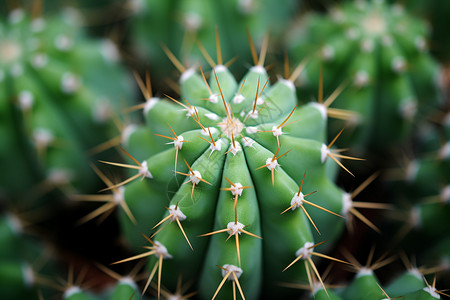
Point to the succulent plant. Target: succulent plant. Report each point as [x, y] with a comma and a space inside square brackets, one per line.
[435, 12]
[365, 285]
[379, 53]
[56, 99]
[181, 24]
[230, 188]
[420, 186]
[242, 158]
[24, 263]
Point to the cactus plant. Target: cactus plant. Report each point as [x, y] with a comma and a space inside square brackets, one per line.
[24, 258]
[56, 101]
[411, 284]
[231, 186]
[379, 52]
[180, 24]
[241, 159]
[435, 12]
[421, 187]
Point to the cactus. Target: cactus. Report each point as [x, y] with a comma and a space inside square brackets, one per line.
[180, 24]
[230, 187]
[435, 12]
[379, 52]
[411, 284]
[423, 180]
[241, 160]
[56, 102]
[124, 288]
[23, 258]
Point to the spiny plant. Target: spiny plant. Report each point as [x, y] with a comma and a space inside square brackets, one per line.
[56, 101]
[124, 287]
[245, 164]
[411, 284]
[435, 12]
[379, 53]
[421, 185]
[180, 24]
[25, 264]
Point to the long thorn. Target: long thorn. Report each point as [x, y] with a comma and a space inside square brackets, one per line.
[221, 284]
[173, 59]
[363, 185]
[218, 50]
[252, 48]
[184, 233]
[293, 262]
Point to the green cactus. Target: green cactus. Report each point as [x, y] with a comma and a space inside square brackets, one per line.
[123, 289]
[409, 285]
[180, 24]
[21, 258]
[240, 161]
[366, 284]
[435, 12]
[379, 52]
[56, 102]
[420, 186]
[230, 187]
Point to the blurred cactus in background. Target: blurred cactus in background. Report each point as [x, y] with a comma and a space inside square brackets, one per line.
[379, 53]
[60, 94]
[435, 13]
[180, 24]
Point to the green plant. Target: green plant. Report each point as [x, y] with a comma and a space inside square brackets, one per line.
[242, 157]
[230, 188]
[435, 13]
[411, 284]
[181, 25]
[379, 53]
[420, 185]
[56, 102]
[24, 265]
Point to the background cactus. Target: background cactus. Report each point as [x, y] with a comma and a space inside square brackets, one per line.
[57, 101]
[379, 52]
[420, 185]
[181, 24]
[434, 12]
[20, 257]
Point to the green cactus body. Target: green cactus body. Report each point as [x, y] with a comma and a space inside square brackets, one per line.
[56, 102]
[235, 179]
[125, 288]
[17, 280]
[76, 293]
[436, 13]
[321, 294]
[406, 283]
[425, 183]
[17, 243]
[10, 236]
[426, 294]
[392, 80]
[364, 286]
